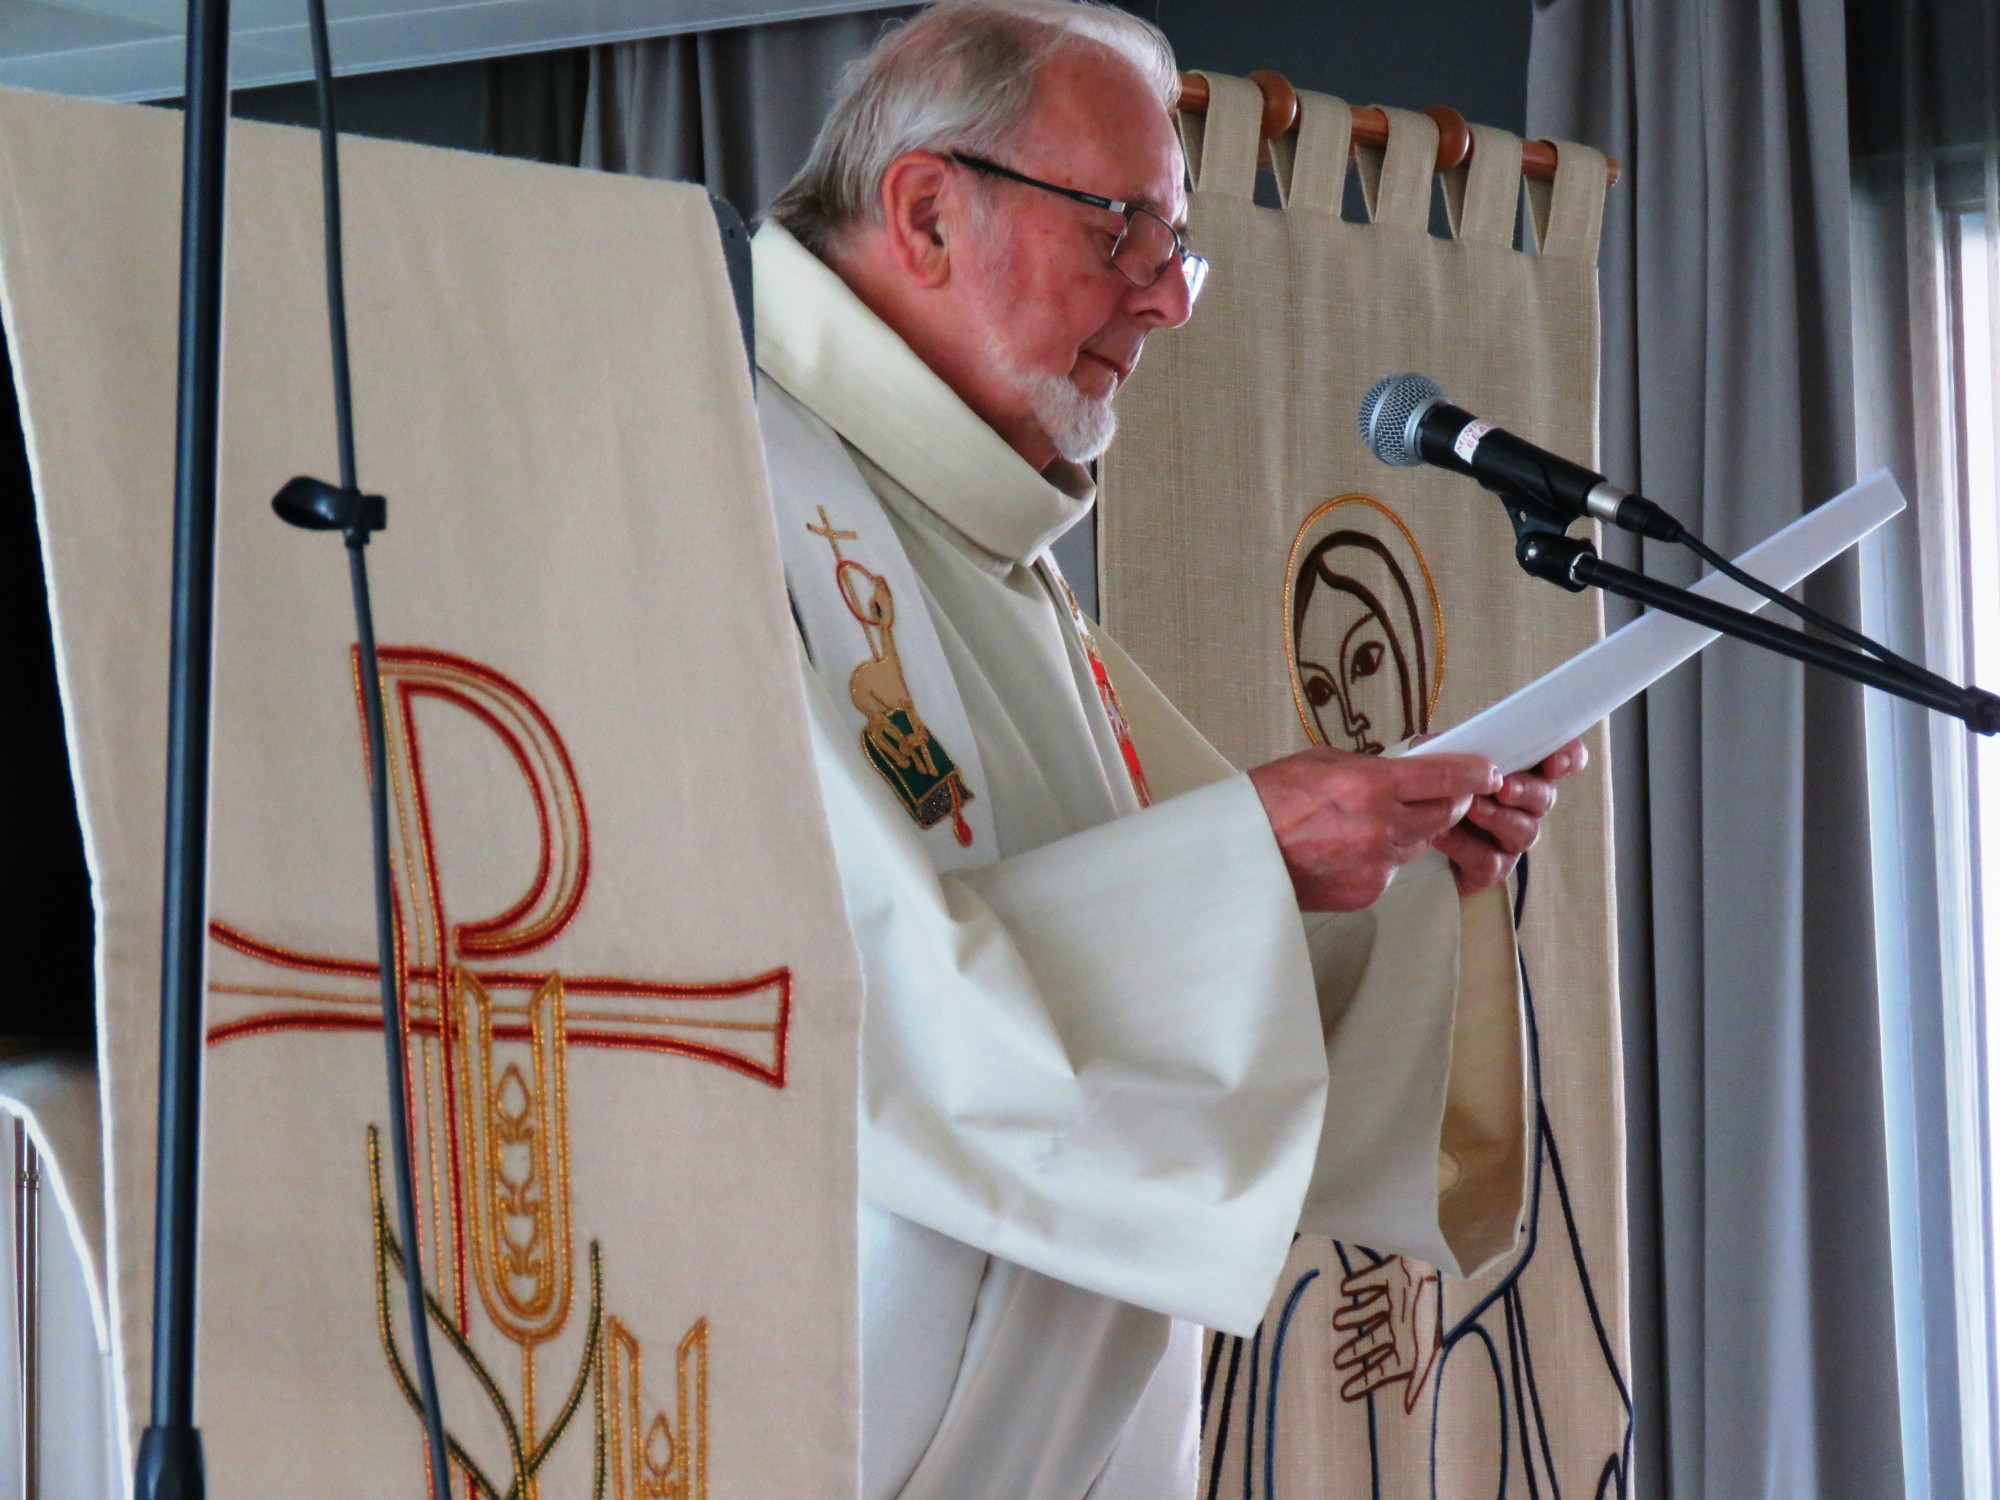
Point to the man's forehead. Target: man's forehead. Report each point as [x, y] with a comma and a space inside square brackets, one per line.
[1096, 121]
[1173, 206]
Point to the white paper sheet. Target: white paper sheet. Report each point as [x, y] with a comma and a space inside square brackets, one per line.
[1518, 731]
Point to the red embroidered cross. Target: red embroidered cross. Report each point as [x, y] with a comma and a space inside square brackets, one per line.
[471, 1008]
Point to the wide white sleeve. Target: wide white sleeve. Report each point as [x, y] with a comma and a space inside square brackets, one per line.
[1101, 1059]
[1424, 1151]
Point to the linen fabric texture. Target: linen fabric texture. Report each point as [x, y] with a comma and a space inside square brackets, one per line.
[1284, 588]
[632, 1001]
[1100, 1038]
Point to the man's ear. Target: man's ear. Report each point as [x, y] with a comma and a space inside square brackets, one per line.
[916, 200]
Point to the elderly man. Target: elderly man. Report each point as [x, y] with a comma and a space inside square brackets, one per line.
[1101, 1039]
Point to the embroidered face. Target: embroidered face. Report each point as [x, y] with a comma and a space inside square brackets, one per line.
[1365, 633]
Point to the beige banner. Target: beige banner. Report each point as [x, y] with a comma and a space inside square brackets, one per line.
[632, 1003]
[1285, 588]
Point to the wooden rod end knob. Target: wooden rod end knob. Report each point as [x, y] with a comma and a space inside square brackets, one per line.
[1454, 136]
[1281, 102]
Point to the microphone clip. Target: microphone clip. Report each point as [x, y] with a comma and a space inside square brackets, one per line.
[315, 505]
[1556, 559]
[1542, 543]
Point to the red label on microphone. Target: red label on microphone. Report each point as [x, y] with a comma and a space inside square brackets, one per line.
[1467, 442]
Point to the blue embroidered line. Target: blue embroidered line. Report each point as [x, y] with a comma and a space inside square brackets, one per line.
[1222, 1426]
[1250, 1417]
[1277, 1374]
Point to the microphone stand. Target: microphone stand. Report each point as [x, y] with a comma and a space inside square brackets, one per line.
[170, 1464]
[1545, 550]
[170, 1459]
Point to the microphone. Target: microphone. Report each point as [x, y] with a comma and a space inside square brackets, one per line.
[1405, 421]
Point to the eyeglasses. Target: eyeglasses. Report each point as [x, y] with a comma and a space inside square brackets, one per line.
[1145, 247]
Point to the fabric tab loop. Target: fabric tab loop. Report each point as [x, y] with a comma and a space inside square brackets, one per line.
[1396, 181]
[1566, 216]
[1222, 144]
[1310, 160]
[1482, 198]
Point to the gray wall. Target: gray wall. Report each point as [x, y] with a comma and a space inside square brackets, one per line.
[1470, 54]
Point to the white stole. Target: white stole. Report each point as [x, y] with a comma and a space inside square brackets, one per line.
[870, 636]
[868, 630]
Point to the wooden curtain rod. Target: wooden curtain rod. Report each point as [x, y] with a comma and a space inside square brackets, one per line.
[1371, 125]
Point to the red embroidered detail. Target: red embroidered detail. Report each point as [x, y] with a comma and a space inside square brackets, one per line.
[430, 951]
[1119, 727]
[546, 767]
[532, 921]
[1107, 694]
[573, 1035]
[493, 979]
[494, 1044]
[960, 829]
[289, 958]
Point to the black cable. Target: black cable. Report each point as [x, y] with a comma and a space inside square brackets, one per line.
[336, 278]
[1806, 612]
[356, 536]
[392, 1022]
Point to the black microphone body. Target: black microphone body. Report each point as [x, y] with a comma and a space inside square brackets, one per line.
[1405, 420]
[1452, 438]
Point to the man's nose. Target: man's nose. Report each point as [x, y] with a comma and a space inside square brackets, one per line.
[1166, 303]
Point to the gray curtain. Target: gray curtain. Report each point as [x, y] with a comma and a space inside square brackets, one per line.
[527, 106]
[1763, 1318]
[734, 109]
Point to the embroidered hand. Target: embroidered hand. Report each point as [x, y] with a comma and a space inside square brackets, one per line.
[1497, 830]
[1345, 823]
[1389, 1330]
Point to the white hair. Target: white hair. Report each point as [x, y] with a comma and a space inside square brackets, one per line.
[958, 77]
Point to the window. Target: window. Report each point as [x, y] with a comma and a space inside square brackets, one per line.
[1927, 325]
[1974, 343]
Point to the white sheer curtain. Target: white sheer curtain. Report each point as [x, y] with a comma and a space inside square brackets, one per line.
[1927, 285]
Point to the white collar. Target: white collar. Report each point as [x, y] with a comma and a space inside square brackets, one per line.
[822, 344]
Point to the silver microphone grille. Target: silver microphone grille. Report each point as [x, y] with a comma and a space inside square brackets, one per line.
[1389, 415]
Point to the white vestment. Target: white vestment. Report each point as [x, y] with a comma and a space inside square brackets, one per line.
[1108, 1070]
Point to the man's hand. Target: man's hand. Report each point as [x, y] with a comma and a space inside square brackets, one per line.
[1346, 823]
[1497, 830]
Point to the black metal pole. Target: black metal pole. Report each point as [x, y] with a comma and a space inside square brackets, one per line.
[1979, 709]
[170, 1461]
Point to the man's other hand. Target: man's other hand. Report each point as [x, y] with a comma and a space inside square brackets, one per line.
[1498, 829]
[1345, 823]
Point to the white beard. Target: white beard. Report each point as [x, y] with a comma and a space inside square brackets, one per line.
[1079, 425]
